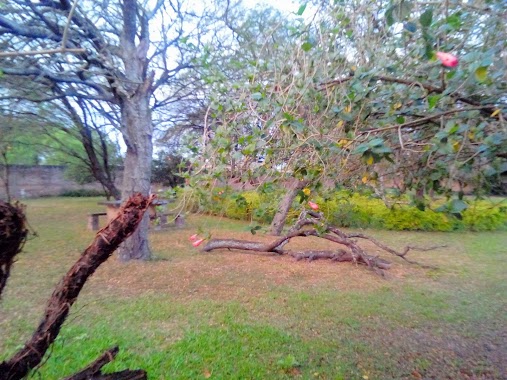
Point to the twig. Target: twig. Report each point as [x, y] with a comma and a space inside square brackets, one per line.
[67, 25]
[416, 123]
[5, 54]
[94, 370]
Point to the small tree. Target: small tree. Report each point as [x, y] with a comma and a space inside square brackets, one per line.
[359, 95]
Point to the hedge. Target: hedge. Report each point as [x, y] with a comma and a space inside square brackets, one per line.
[355, 210]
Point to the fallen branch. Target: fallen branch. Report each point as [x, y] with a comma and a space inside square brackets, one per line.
[352, 252]
[402, 254]
[66, 292]
[94, 370]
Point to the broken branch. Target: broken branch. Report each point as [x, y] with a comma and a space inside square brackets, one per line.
[66, 292]
[352, 252]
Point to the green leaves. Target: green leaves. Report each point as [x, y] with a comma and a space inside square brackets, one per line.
[373, 151]
[454, 207]
[307, 46]
[426, 18]
[410, 27]
[433, 100]
[454, 20]
[481, 74]
[301, 9]
[257, 96]
[398, 12]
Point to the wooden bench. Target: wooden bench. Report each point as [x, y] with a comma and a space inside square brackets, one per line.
[179, 220]
[93, 220]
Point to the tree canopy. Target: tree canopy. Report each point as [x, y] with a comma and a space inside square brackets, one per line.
[356, 93]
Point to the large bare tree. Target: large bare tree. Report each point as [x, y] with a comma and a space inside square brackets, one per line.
[132, 51]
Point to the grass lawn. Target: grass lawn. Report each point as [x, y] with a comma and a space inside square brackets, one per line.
[231, 315]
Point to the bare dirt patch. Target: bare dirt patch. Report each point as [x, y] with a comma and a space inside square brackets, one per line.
[228, 274]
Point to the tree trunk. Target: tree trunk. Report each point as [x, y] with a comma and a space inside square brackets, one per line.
[6, 177]
[136, 118]
[133, 96]
[284, 207]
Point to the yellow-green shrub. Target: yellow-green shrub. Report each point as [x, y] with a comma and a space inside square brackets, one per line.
[481, 216]
[355, 210]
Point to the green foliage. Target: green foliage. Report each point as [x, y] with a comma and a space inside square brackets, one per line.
[482, 216]
[80, 193]
[357, 99]
[79, 172]
[167, 170]
[357, 210]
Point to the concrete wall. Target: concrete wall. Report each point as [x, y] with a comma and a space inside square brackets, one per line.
[26, 181]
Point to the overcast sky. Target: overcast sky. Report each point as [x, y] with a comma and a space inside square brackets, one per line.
[285, 5]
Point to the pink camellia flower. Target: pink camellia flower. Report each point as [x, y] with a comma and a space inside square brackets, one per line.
[197, 243]
[447, 59]
[313, 205]
[193, 237]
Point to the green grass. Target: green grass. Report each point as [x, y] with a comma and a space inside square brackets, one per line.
[227, 315]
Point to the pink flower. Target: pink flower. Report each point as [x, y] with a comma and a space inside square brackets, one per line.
[447, 59]
[313, 205]
[193, 237]
[197, 243]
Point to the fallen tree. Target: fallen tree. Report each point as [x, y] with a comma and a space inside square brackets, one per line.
[66, 292]
[351, 251]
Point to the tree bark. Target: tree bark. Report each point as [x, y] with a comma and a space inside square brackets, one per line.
[133, 96]
[284, 207]
[136, 117]
[6, 176]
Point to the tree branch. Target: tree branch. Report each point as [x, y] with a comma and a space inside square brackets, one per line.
[407, 82]
[94, 370]
[352, 253]
[60, 78]
[66, 292]
[424, 120]
[5, 54]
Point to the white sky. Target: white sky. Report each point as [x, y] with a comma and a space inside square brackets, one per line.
[284, 5]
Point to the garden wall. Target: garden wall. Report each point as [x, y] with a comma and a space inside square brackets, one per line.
[27, 181]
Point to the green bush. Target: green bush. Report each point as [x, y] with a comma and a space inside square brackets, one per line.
[413, 219]
[354, 210]
[481, 216]
[83, 193]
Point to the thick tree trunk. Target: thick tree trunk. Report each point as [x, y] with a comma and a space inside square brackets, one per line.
[133, 95]
[284, 207]
[136, 117]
